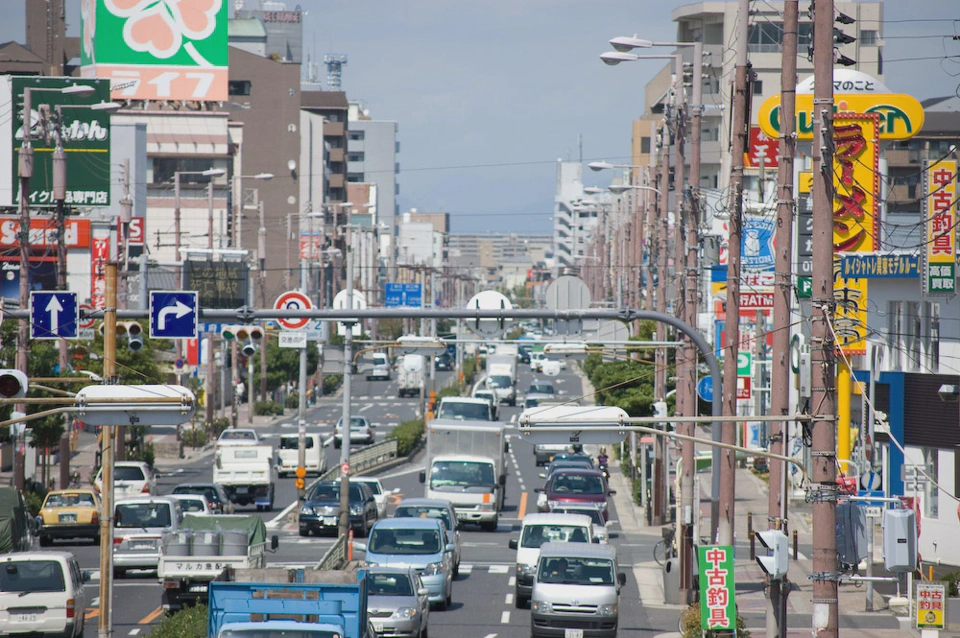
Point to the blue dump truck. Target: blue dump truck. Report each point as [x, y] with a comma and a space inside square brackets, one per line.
[279, 603]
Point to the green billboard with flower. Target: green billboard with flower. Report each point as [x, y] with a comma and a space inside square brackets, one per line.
[156, 49]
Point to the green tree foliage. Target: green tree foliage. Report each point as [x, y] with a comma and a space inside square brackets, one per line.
[189, 623]
[283, 364]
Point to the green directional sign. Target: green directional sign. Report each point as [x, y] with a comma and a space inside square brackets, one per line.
[804, 287]
[744, 364]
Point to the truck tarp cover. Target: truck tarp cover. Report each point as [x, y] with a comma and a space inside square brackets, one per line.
[13, 521]
[253, 525]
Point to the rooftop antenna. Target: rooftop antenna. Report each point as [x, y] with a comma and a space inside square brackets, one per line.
[334, 62]
[580, 144]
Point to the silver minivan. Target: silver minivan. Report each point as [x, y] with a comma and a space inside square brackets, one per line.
[138, 528]
[41, 593]
[576, 592]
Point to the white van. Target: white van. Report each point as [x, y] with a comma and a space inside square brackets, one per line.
[42, 593]
[536, 530]
[288, 455]
[381, 367]
[130, 478]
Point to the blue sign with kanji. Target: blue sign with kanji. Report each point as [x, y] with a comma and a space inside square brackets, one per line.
[756, 245]
[53, 315]
[173, 314]
[403, 295]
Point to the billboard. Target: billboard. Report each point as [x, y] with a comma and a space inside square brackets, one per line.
[940, 214]
[855, 220]
[86, 140]
[156, 49]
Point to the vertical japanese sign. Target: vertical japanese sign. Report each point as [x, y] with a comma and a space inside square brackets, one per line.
[940, 213]
[99, 256]
[931, 605]
[718, 609]
[156, 49]
[855, 220]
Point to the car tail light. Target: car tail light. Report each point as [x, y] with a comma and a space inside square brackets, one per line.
[95, 519]
[171, 584]
[117, 541]
[369, 432]
[70, 608]
[146, 489]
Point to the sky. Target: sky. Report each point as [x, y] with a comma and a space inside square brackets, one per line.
[489, 94]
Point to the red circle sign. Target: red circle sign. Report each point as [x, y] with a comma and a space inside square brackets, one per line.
[293, 300]
[89, 321]
[345, 468]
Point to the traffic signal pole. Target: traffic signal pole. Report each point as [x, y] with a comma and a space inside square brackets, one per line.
[345, 425]
[105, 619]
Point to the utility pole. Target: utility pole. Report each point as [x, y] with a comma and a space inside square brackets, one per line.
[126, 214]
[660, 369]
[684, 400]
[739, 128]
[347, 373]
[24, 172]
[691, 308]
[211, 369]
[782, 297]
[59, 196]
[105, 619]
[823, 475]
[262, 250]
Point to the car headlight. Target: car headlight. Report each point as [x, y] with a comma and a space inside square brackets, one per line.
[404, 612]
[525, 569]
[607, 610]
[541, 606]
[306, 510]
[356, 509]
[552, 504]
[433, 569]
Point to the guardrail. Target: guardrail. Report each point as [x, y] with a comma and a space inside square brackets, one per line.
[365, 458]
[336, 556]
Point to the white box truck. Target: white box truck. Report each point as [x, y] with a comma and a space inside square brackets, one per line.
[466, 466]
[410, 375]
[246, 474]
[502, 377]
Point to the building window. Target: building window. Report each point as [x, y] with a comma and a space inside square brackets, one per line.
[645, 144]
[765, 37]
[357, 135]
[757, 87]
[238, 87]
[710, 134]
[355, 156]
[868, 37]
[162, 169]
[933, 339]
[914, 325]
[895, 334]
[931, 495]
[355, 177]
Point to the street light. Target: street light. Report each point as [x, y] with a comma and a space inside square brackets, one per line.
[413, 344]
[622, 188]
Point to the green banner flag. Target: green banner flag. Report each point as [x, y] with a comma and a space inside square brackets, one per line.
[718, 609]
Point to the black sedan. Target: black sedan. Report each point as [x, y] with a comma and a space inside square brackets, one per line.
[444, 361]
[320, 510]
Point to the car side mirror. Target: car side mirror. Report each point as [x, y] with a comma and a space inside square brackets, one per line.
[423, 477]
[423, 591]
[274, 542]
[512, 543]
[85, 576]
[395, 490]
[612, 493]
[621, 579]
[38, 521]
[502, 480]
[596, 539]
[538, 490]
[449, 548]
[360, 546]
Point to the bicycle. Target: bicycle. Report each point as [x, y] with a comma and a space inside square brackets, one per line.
[666, 547]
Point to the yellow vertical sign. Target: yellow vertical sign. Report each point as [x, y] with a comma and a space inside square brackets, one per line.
[940, 213]
[855, 220]
[931, 604]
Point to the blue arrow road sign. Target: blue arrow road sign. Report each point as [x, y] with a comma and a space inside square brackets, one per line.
[53, 315]
[705, 389]
[173, 315]
[403, 295]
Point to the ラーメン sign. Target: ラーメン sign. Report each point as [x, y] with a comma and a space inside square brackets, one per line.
[900, 115]
[156, 49]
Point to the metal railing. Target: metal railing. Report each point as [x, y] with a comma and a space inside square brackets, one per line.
[336, 556]
[364, 459]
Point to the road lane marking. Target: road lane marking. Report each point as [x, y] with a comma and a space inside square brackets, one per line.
[92, 613]
[512, 582]
[490, 636]
[505, 618]
[508, 600]
[466, 569]
[366, 407]
[522, 510]
[153, 615]
[499, 569]
[134, 631]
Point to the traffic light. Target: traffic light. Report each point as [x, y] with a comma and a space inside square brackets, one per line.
[249, 337]
[133, 332]
[13, 384]
[775, 563]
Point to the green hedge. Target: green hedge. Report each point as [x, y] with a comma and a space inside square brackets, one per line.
[267, 408]
[469, 369]
[407, 434]
[189, 623]
[449, 391]
[330, 383]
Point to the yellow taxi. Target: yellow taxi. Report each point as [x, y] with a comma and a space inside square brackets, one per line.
[73, 513]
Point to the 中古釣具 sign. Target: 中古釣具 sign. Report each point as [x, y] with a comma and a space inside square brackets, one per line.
[718, 609]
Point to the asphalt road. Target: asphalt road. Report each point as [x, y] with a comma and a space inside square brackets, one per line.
[483, 593]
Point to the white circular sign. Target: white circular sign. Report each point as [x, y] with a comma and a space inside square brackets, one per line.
[293, 300]
[488, 300]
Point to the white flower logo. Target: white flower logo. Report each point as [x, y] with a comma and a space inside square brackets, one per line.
[158, 27]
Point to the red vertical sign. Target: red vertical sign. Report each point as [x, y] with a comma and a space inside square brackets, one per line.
[100, 255]
[193, 352]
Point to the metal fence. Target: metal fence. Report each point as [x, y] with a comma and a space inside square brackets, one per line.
[336, 556]
[364, 459]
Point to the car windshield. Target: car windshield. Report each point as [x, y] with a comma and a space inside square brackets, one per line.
[32, 576]
[424, 511]
[405, 541]
[293, 443]
[143, 515]
[560, 465]
[355, 422]
[499, 381]
[127, 473]
[461, 474]
[577, 484]
[70, 500]
[191, 505]
[238, 435]
[575, 571]
[389, 585]
[542, 388]
[536, 535]
[464, 411]
[592, 512]
[331, 492]
[373, 485]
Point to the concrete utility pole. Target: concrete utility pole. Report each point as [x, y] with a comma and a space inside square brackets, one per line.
[683, 398]
[105, 619]
[347, 365]
[823, 473]
[659, 505]
[691, 309]
[24, 172]
[262, 279]
[740, 129]
[782, 297]
[211, 369]
[60, 196]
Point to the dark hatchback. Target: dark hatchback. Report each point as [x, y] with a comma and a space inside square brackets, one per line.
[570, 486]
[216, 495]
[320, 510]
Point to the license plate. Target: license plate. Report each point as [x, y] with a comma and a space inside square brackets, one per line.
[68, 518]
[572, 633]
[378, 628]
[242, 490]
[198, 588]
[329, 520]
[142, 545]
[25, 618]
